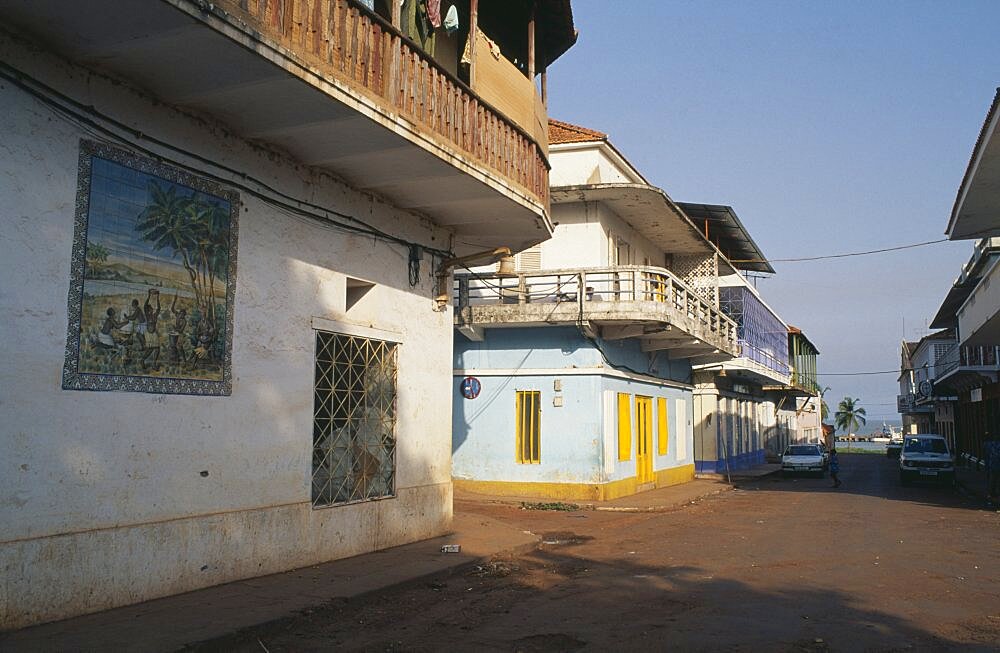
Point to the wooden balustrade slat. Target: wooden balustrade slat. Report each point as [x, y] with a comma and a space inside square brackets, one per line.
[316, 28]
[366, 52]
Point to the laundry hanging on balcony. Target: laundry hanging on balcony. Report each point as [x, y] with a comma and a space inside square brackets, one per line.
[416, 24]
[490, 43]
[451, 20]
[434, 12]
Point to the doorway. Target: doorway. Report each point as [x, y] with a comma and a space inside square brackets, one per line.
[644, 439]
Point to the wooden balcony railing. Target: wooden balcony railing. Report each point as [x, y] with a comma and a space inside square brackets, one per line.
[625, 287]
[340, 40]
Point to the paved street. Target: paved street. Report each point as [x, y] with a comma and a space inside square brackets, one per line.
[779, 564]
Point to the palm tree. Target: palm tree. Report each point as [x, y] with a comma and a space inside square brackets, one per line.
[824, 410]
[197, 230]
[850, 415]
[97, 256]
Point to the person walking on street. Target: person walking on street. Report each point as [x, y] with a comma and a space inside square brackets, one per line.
[992, 471]
[834, 467]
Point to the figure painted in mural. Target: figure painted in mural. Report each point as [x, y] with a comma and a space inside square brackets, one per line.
[105, 338]
[206, 338]
[178, 335]
[835, 467]
[138, 319]
[152, 316]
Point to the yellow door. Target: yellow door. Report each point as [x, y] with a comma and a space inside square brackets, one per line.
[644, 439]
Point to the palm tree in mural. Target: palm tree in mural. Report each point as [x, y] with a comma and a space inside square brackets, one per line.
[194, 229]
[97, 255]
[850, 415]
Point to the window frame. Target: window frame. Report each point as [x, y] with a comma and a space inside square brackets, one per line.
[353, 432]
[533, 446]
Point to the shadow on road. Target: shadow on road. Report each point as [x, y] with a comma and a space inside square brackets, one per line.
[872, 475]
[555, 599]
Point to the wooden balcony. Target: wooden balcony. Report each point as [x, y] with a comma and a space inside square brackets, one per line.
[334, 86]
[343, 41]
[646, 303]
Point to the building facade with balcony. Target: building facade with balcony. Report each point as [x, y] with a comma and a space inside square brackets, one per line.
[746, 409]
[803, 389]
[573, 370]
[970, 369]
[224, 357]
[923, 402]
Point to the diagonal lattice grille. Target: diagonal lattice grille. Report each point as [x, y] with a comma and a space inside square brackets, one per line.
[354, 419]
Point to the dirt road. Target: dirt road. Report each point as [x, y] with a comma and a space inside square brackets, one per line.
[782, 564]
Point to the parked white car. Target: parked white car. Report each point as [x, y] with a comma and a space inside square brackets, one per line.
[803, 459]
[926, 457]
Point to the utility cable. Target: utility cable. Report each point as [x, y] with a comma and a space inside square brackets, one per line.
[833, 256]
[856, 373]
[79, 114]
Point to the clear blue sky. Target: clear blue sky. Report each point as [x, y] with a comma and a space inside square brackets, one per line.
[830, 127]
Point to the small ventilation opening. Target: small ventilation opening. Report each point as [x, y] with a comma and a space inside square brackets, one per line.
[356, 290]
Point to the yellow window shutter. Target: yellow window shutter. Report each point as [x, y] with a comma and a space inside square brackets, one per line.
[624, 426]
[661, 426]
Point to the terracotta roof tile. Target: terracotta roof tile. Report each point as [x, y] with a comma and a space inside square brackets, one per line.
[564, 132]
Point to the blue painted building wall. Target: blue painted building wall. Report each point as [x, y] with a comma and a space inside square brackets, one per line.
[575, 445]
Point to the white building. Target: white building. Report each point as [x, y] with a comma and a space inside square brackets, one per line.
[574, 369]
[746, 409]
[223, 352]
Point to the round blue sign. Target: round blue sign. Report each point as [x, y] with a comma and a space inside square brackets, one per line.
[471, 387]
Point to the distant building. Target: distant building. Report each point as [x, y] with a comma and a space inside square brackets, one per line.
[966, 383]
[804, 387]
[223, 227]
[574, 369]
[920, 402]
[745, 408]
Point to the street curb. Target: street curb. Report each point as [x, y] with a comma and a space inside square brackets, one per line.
[517, 503]
[663, 508]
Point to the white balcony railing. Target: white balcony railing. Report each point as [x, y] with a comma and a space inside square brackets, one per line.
[947, 361]
[626, 293]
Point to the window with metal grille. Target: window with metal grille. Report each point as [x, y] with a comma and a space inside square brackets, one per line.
[354, 419]
[529, 417]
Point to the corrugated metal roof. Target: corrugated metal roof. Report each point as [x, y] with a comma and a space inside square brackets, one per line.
[730, 236]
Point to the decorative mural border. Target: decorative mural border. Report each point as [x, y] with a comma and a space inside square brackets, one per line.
[73, 378]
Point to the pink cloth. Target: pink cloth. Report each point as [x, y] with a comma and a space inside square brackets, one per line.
[434, 12]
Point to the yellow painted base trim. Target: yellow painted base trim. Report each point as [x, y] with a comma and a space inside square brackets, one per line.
[575, 491]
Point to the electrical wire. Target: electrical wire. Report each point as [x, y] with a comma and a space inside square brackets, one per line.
[834, 256]
[557, 286]
[79, 114]
[856, 373]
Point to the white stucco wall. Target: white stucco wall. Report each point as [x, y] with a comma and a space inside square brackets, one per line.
[585, 234]
[574, 164]
[102, 497]
[980, 308]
